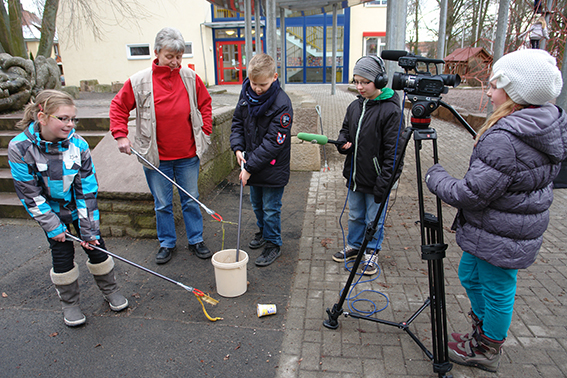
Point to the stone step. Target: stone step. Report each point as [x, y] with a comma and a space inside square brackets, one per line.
[11, 207]
[8, 122]
[91, 136]
[4, 158]
[6, 182]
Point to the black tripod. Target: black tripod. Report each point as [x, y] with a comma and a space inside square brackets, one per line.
[432, 246]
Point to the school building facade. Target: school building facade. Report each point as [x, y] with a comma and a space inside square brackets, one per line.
[215, 46]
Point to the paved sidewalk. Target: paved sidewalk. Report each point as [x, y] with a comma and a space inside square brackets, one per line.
[536, 345]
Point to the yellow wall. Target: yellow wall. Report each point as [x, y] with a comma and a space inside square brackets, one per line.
[106, 60]
[363, 19]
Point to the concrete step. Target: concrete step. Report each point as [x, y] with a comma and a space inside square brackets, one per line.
[4, 158]
[91, 136]
[11, 207]
[8, 123]
[6, 182]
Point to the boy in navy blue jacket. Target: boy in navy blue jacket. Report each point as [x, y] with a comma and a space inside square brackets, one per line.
[260, 137]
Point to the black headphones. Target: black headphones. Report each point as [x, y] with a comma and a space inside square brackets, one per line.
[381, 80]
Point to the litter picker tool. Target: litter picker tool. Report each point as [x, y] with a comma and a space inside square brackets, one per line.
[239, 215]
[198, 293]
[212, 213]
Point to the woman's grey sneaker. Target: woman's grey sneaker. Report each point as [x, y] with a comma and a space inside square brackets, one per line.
[258, 240]
[350, 254]
[270, 253]
[369, 263]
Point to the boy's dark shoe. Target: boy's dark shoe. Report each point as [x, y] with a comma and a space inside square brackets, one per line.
[270, 253]
[201, 250]
[347, 253]
[258, 240]
[164, 255]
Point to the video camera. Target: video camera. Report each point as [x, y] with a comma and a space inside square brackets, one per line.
[423, 83]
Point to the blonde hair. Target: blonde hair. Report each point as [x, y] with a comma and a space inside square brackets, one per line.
[507, 108]
[261, 65]
[47, 101]
[542, 21]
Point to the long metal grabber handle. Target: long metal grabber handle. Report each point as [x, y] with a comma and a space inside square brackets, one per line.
[212, 213]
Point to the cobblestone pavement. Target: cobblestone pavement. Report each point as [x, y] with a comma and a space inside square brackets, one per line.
[536, 345]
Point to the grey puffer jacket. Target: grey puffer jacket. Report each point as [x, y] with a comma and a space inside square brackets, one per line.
[505, 196]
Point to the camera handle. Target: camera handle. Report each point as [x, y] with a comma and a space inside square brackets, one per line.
[432, 250]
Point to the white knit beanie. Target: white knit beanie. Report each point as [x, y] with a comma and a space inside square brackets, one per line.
[529, 76]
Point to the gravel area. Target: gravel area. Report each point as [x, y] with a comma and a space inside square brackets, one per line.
[473, 100]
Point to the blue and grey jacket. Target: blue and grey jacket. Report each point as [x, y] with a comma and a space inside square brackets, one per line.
[56, 182]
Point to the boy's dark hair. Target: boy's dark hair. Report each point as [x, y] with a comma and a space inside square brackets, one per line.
[261, 65]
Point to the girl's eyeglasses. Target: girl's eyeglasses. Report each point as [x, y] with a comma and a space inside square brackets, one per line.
[66, 120]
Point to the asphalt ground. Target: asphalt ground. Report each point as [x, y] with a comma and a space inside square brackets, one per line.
[164, 332]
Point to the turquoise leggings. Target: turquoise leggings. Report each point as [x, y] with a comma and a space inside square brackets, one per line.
[491, 291]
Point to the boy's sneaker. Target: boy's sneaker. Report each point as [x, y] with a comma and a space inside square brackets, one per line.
[369, 264]
[347, 253]
[270, 253]
[258, 240]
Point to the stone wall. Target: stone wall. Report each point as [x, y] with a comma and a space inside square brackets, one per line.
[131, 212]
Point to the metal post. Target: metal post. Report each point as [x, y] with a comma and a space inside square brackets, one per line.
[562, 99]
[500, 40]
[334, 77]
[442, 30]
[271, 37]
[257, 27]
[283, 54]
[501, 27]
[391, 30]
[247, 32]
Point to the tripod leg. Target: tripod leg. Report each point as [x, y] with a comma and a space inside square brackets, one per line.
[337, 310]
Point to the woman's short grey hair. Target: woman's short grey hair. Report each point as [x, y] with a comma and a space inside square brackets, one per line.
[171, 39]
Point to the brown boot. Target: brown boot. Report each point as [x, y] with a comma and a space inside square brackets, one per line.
[103, 274]
[480, 352]
[476, 324]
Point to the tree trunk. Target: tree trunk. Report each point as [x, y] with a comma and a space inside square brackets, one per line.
[17, 44]
[4, 29]
[48, 28]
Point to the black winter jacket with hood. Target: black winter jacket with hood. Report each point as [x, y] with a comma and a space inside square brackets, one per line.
[372, 127]
[265, 139]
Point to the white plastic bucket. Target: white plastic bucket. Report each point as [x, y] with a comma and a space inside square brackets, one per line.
[230, 275]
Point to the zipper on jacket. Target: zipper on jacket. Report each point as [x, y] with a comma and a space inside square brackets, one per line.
[356, 144]
[377, 165]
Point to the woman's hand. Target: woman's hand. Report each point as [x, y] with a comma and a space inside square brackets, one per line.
[346, 146]
[124, 145]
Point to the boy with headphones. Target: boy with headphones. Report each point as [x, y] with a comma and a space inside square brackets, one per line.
[368, 138]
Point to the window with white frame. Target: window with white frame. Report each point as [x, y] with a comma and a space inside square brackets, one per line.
[377, 3]
[188, 50]
[138, 51]
[373, 45]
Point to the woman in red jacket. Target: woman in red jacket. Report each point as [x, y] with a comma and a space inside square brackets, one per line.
[173, 124]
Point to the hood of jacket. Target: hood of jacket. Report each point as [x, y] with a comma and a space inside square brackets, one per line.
[543, 128]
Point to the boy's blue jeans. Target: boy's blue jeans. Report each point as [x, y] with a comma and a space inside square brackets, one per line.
[362, 211]
[184, 172]
[491, 291]
[267, 205]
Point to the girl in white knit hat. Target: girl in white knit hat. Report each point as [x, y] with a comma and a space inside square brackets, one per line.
[505, 196]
